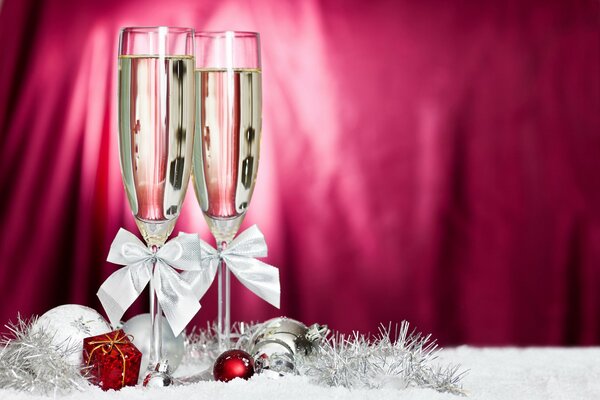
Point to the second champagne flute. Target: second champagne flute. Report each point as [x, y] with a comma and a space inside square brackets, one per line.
[227, 141]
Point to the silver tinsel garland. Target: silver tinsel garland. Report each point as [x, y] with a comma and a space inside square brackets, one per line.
[400, 359]
[406, 359]
[202, 345]
[29, 361]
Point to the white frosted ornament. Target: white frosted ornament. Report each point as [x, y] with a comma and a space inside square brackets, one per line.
[68, 325]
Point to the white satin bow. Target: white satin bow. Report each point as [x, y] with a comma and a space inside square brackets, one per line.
[259, 277]
[174, 294]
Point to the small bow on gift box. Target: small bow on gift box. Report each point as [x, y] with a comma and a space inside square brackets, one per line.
[259, 277]
[174, 294]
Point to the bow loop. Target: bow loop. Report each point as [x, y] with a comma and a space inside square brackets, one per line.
[250, 243]
[170, 251]
[259, 277]
[184, 252]
[141, 265]
[133, 252]
[127, 249]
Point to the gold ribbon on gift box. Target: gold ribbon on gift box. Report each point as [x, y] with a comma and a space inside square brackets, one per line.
[108, 345]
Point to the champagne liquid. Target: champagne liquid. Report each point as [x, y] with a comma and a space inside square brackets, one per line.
[156, 120]
[227, 141]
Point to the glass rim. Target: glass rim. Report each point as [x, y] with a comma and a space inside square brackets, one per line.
[220, 34]
[149, 29]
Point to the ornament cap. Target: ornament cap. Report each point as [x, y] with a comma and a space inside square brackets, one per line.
[160, 377]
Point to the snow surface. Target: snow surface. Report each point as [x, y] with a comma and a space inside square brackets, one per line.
[494, 373]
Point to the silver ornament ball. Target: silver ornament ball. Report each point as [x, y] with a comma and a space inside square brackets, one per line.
[160, 377]
[276, 342]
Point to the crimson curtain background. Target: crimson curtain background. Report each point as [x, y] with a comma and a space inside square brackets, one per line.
[432, 161]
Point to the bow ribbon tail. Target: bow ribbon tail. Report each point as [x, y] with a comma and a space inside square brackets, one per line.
[175, 296]
[121, 288]
[200, 281]
[257, 276]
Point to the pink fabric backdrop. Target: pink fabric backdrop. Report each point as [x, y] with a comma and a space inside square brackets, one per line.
[427, 161]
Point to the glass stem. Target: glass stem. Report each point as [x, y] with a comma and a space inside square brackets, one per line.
[156, 319]
[223, 316]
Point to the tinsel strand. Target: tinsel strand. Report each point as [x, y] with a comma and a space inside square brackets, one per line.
[29, 361]
[359, 361]
[203, 344]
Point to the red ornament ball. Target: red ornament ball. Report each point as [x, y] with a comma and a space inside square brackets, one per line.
[233, 364]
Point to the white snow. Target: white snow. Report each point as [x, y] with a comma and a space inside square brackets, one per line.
[494, 373]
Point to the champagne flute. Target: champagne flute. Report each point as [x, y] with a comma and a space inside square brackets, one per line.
[227, 141]
[156, 121]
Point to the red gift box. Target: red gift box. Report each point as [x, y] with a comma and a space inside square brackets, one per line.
[112, 360]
